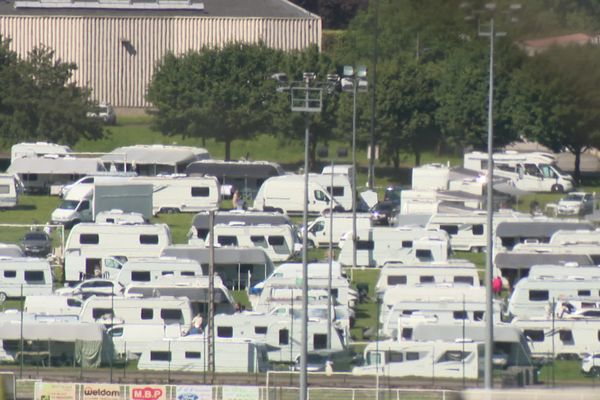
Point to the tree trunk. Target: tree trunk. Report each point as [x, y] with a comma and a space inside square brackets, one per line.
[227, 150]
[417, 158]
[577, 174]
[396, 158]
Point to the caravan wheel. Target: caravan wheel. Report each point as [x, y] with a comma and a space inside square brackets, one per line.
[2, 297]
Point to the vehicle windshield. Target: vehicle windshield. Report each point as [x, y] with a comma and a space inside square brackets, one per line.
[557, 169]
[68, 205]
[35, 236]
[573, 197]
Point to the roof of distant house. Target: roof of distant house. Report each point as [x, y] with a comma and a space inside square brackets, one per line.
[538, 45]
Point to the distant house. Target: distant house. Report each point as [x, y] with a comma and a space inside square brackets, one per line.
[536, 46]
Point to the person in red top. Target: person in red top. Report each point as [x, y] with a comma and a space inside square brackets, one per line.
[497, 285]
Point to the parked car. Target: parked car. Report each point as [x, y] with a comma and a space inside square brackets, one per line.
[382, 212]
[315, 362]
[36, 244]
[105, 112]
[590, 364]
[576, 203]
[92, 287]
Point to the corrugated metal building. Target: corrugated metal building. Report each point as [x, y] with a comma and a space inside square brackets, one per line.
[116, 47]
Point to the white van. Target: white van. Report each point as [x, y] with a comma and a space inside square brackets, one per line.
[278, 241]
[24, 276]
[377, 245]
[10, 190]
[342, 187]
[286, 193]
[89, 244]
[321, 228]
[153, 269]
[53, 305]
[132, 339]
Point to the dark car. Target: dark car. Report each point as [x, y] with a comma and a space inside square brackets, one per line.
[37, 244]
[382, 212]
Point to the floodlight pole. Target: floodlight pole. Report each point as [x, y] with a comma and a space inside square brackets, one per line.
[330, 270]
[304, 331]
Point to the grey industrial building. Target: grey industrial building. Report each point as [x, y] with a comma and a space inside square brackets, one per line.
[117, 43]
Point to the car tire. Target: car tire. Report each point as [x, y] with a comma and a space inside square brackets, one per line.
[556, 188]
[595, 371]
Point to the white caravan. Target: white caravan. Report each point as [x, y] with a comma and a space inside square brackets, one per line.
[322, 228]
[37, 149]
[563, 338]
[10, 190]
[412, 274]
[120, 217]
[52, 304]
[589, 249]
[131, 340]
[533, 172]
[281, 333]
[89, 245]
[278, 241]
[179, 193]
[165, 310]
[190, 354]
[341, 169]
[431, 201]
[154, 269]
[285, 194]
[433, 176]
[24, 276]
[11, 250]
[575, 236]
[434, 359]
[294, 270]
[377, 245]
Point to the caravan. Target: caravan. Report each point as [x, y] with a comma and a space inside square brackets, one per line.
[24, 276]
[510, 233]
[324, 227]
[10, 190]
[154, 269]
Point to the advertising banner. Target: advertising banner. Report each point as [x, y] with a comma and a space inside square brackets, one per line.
[54, 391]
[101, 392]
[194, 393]
[240, 392]
[147, 392]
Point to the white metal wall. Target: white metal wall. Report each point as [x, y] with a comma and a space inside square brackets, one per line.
[116, 55]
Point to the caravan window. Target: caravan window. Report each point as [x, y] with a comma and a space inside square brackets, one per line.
[284, 336]
[396, 280]
[478, 316]
[148, 239]
[200, 191]
[227, 240]
[34, 276]
[450, 229]
[584, 293]
[320, 341]
[460, 315]
[160, 356]
[279, 245]
[171, 314]
[4, 189]
[10, 274]
[566, 335]
[30, 177]
[535, 335]
[463, 279]
[225, 331]
[407, 333]
[478, 229]
[89, 238]
[373, 358]
[454, 355]
[407, 244]
[424, 255]
[147, 313]
[259, 241]
[260, 330]
[395, 357]
[188, 273]
[365, 245]
[538, 295]
[320, 196]
[337, 191]
[195, 355]
[98, 313]
[140, 276]
[426, 279]
[412, 356]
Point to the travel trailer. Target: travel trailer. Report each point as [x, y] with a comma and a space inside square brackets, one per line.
[510, 233]
[377, 245]
[201, 221]
[49, 173]
[432, 201]
[244, 176]
[179, 193]
[431, 177]
[285, 193]
[24, 276]
[89, 246]
[37, 149]
[294, 270]
[163, 310]
[194, 288]
[10, 190]
[11, 250]
[52, 304]
[575, 236]
[324, 227]
[238, 267]
[278, 241]
[411, 274]
[434, 359]
[532, 172]
[154, 269]
[190, 354]
[155, 159]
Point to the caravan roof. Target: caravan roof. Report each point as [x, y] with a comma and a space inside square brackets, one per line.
[223, 255]
[538, 228]
[156, 154]
[511, 260]
[56, 165]
[235, 169]
[201, 220]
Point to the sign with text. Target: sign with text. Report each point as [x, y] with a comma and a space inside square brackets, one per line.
[147, 392]
[240, 392]
[54, 391]
[194, 393]
[101, 392]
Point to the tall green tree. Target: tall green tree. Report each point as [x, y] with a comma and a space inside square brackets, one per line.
[221, 93]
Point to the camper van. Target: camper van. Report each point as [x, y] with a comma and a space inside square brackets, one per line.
[532, 172]
[322, 228]
[377, 245]
[24, 276]
[90, 245]
[189, 354]
[164, 310]
[278, 241]
[154, 269]
[179, 193]
[10, 190]
[433, 359]
[285, 194]
[130, 340]
[411, 274]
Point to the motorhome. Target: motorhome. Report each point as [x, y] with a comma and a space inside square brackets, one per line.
[533, 172]
[164, 310]
[37, 149]
[540, 230]
[411, 274]
[154, 159]
[10, 190]
[238, 267]
[560, 337]
[281, 333]
[201, 221]
[468, 231]
[285, 193]
[49, 173]
[154, 269]
[190, 354]
[24, 276]
[180, 193]
[89, 246]
[52, 304]
[294, 270]
[434, 359]
[377, 245]
[244, 176]
[335, 226]
[196, 289]
[278, 241]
